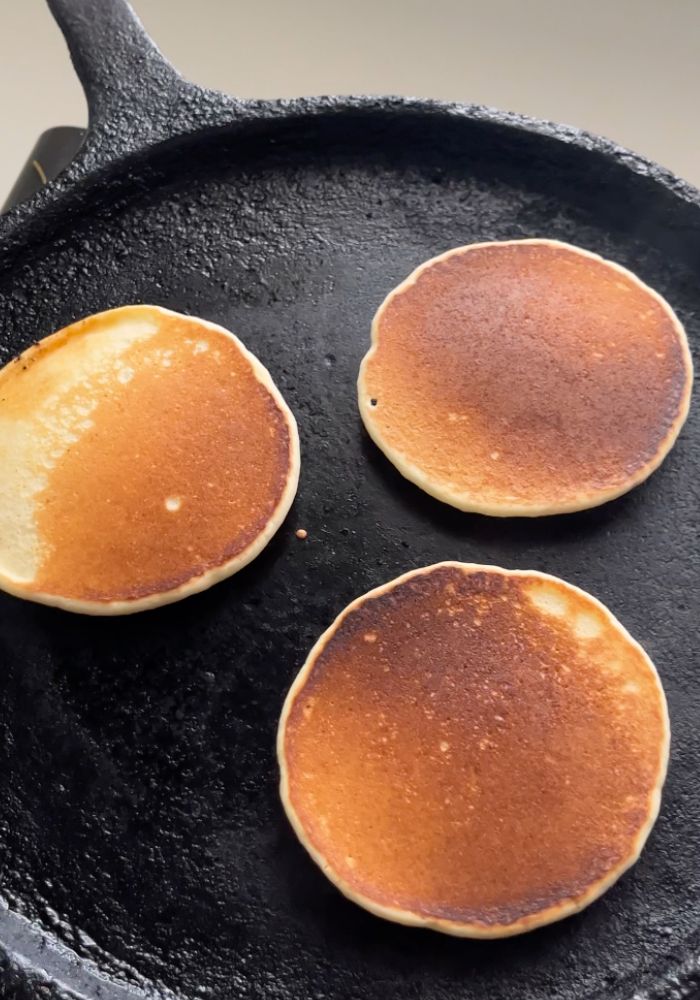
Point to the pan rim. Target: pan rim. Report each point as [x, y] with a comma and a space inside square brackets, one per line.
[217, 113]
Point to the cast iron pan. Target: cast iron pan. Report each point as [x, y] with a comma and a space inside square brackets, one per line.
[143, 847]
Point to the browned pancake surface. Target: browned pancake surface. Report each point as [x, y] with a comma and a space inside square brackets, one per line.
[182, 463]
[525, 374]
[458, 753]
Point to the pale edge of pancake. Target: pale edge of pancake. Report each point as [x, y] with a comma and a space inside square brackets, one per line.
[470, 502]
[210, 577]
[559, 911]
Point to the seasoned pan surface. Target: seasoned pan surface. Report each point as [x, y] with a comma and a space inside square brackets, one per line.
[141, 829]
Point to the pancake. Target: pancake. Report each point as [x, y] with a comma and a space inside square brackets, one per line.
[525, 378]
[145, 455]
[475, 750]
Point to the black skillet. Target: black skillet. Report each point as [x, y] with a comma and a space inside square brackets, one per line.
[142, 844]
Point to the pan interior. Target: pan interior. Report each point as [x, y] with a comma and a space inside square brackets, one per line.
[141, 823]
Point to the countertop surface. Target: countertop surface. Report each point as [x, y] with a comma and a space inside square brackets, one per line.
[628, 69]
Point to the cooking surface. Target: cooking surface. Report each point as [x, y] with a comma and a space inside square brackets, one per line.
[628, 70]
[141, 821]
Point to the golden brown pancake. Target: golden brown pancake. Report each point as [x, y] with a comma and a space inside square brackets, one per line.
[144, 456]
[525, 378]
[476, 750]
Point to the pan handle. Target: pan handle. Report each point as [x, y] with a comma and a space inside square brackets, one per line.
[135, 99]
[133, 93]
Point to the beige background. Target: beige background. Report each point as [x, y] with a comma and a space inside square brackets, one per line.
[629, 69]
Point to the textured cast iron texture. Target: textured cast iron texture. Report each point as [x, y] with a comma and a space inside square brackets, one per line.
[142, 844]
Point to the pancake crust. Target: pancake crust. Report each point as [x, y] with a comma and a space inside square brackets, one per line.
[145, 455]
[525, 378]
[476, 750]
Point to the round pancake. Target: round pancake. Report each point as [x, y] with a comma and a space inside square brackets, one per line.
[145, 455]
[476, 750]
[525, 378]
